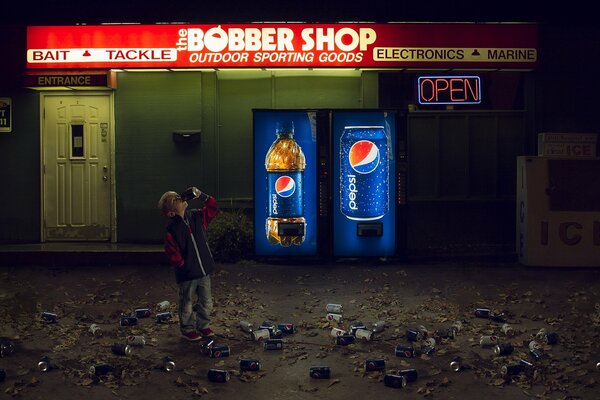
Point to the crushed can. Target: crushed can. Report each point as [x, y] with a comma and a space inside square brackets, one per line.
[334, 317]
[374, 364]
[508, 330]
[378, 327]
[261, 334]
[163, 305]
[246, 326]
[218, 375]
[7, 347]
[273, 344]
[164, 317]
[49, 317]
[334, 308]
[95, 330]
[142, 312]
[320, 372]
[121, 349]
[456, 364]
[44, 364]
[168, 364]
[410, 374]
[128, 320]
[394, 381]
[483, 312]
[219, 351]
[457, 326]
[136, 340]
[287, 328]
[488, 340]
[249, 364]
[534, 345]
[344, 340]
[414, 335]
[405, 351]
[363, 334]
[503, 349]
[335, 332]
[429, 342]
[101, 369]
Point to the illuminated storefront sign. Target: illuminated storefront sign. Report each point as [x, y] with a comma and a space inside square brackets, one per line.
[449, 90]
[66, 80]
[283, 45]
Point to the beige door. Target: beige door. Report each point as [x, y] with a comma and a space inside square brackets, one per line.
[76, 151]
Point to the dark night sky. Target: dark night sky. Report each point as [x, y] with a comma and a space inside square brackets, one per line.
[150, 11]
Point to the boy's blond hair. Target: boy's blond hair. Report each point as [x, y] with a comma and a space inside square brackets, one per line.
[165, 204]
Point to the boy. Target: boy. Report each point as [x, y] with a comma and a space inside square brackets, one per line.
[187, 248]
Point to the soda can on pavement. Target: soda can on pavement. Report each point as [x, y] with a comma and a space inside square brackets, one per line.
[287, 329]
[405, 351]
[246, 326]
[456, 364]
[168, 364]
[508, 330]
[413, 335]
[121, 349]
[49, 317]
[218, 375]
[142, 312]
[219, 351]
[334, 317]
[164, 317]
[534, 345]
[483, 312]
[457, 326]
[95, 330]
[364, 172]
[7, 347]
[410, 374]
[364, 334]
[273, 344]
[100, 369]
[320, 372]
[44, 364]
[503, 349]
[334, 308]
[249, 364]
[511, 369]
[335, 332]
[128, 320]
[261, 334]
[488, 340]
[344, 340]
[136, 340]
[551, 338]
[374, 364]
[394, 381]
[163, 305]
[378, 326]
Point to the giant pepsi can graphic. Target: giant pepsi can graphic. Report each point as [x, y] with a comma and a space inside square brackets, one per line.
[364, 173]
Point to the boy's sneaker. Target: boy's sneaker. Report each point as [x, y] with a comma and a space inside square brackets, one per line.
[191, 336]
[207, 332]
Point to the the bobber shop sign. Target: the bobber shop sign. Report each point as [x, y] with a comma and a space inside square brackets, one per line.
[414, 45]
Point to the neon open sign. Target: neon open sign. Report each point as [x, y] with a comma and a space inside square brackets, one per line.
[449, 90]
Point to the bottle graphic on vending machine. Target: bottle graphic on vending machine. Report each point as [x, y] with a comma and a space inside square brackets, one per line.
[285, 164]
[364, 172]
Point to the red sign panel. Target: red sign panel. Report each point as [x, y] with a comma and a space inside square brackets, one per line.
[411, 45]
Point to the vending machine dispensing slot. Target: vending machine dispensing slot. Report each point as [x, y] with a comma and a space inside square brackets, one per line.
[290, 229]
[369, 229]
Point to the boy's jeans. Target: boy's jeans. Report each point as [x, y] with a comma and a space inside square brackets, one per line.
[193, 317]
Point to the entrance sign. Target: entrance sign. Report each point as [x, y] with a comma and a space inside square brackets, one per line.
[347, 45]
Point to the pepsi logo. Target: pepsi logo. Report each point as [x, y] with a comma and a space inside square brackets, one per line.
[364, 157]
[285, 186]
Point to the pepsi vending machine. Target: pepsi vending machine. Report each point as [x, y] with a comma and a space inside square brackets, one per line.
[287, 220]
[364, 184]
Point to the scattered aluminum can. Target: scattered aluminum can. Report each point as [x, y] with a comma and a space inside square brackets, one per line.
[164, 317]
[446, 333]
[511, 369]
[163, 305]
[456, 364]
[334, 317]
[483, 312]
[219, 351]
[488, 340]
[95, 330]
[319, 372]
[498, 317]
[249, 364]
[378, 326]
[405, 351]
[363, 334]
[375, 364]
[508, 330]
[142, 312]
[168, 364]
[121, 349]
[457, 326]
[128, 320]
[100, 369]
[276, 334]
[551, 338]
[7, 347]
[394, 381]
[503, 349]
[246, 326]
[534, 345]
[218, 375]
[273, 344]
[44, 364]
[354, 326]
[286, 328]
[414, 335]
[344, 340]
[49, 317]
[268, 325]
[261, 334]
[410, 374]
[335, 332]
[136, 340]
[334, 308]
[429, 342]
